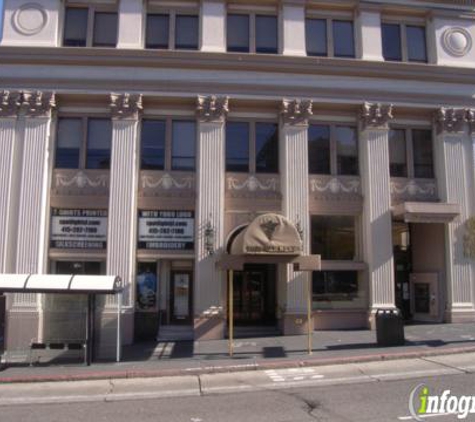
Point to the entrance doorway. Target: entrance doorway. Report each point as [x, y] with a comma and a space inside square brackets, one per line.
[254, 295]
[181, 297]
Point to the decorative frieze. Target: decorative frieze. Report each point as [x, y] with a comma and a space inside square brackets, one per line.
[376, 115]
[335, 185]
[10, 103]
[83, 183]
[126, 106]
[250, 186]
[296, 112]
[165, 184]
[212, 108]
[413, 190]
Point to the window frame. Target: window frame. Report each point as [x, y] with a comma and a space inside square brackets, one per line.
[403, 24]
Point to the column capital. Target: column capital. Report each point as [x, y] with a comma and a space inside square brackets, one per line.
[450, 120]
[212, 108]
[296, 112]
[125, 106]
[10, 102]
[38, 103]
[376, 115]
[470, 116]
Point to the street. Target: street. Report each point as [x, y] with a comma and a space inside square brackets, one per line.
[376, 391]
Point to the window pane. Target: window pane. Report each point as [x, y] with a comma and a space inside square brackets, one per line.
[75, 27]
[105, 29]
[343, 39]
[347, 150]
[237, 146]
[186, 32]
[397, 153]
[157, 31]
[319, 149]
[391, 42]
[333, 237]
[422, 149]
[416, 44]
[68, 144]
[153, 145]
[238, 33]
[334, 285]
[316, 37]
[266, 34]
[99, 138]
[183, 145]
[267, 148]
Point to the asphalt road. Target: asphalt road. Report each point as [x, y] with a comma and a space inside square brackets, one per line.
[368, 392]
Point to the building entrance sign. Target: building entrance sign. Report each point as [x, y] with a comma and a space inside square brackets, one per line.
[78, 229]
[172, 230]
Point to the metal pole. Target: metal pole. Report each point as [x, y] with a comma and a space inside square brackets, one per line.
[309, 314]
[119, 340]
[89, 328]
[231, 313]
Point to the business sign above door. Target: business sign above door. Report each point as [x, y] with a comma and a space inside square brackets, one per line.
[78, 229]
[169, 230]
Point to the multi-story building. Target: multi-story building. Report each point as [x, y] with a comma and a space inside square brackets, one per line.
[143, 137]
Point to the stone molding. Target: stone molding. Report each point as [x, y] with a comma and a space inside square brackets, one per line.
[451, 120]
[296, 112]
[376, 115]
[405, 189]
[212, 108]
[126, 106]
[10, 103]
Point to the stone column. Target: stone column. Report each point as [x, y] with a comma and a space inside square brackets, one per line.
[456, 183]
[213, 26]
[293, 28]
[122, 216]
[210, 173]
[377, 220]
[295, 190]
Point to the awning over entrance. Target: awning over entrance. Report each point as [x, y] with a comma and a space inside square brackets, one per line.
[426, 212]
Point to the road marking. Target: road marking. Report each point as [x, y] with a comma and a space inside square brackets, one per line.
[411, 418]
[292, 374]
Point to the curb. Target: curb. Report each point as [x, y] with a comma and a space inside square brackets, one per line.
[256, 366]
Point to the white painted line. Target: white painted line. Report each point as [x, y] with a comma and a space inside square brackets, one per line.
[411, 418]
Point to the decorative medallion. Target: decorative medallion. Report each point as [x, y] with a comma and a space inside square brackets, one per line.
[469, 238]
[376, 115]
[296, 112]
[212, 108]
[38, 103]
[126, 105]
[457, 41]
[30, 19]
[450, 119]
[10, 102]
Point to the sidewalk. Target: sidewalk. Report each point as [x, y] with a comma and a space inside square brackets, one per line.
[201, 357]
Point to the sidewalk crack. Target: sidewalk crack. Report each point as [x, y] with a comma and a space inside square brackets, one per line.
[446, 365]
[200, 386]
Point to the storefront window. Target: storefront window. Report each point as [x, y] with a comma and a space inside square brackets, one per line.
[147, 286]
[335, 285]
[333, 237]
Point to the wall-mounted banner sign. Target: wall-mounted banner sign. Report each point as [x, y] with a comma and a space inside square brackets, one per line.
[78, 229]
[172, 230]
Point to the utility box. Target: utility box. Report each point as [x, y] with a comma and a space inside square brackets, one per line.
[389, 327]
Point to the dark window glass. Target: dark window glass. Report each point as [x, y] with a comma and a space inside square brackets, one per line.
[266, 34]
[333, 237]
[183, 145]
[80, 268]
[153, 145]
[237, 146]
[316, 37]
[319, 149]
[267, 148]
[75, 27]
[346, 150]
[99, 138]
[416, 44]
[422, 149]
[68, 143]
[334, 285]
[105, 29]
[186, 32]
[391, 42]
[238, 33]
[157, 31]
[397, 153]
[343, 39]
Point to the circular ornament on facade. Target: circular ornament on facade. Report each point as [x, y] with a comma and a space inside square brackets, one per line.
[30, 19]
[457, 41]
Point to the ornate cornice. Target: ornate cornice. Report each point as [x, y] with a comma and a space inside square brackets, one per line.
[450, 120]
[126, 106]
[376, 115]
[296, 112]
[10, 102]
[212, 108]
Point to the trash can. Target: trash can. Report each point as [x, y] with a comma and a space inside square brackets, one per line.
[389, 327]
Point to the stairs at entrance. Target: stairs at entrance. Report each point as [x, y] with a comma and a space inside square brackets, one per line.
[175, 333]
[256, 331]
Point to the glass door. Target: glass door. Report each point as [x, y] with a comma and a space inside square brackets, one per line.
[180, 300]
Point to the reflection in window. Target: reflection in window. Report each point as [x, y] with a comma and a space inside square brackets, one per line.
[397, 153]
[183, 145]
[99, 138]
[75, 27]
[410, 47]
[316, 37]
[238, 33]
[237, 146]
[343, 39]
[153, 144]
[392, 48]
[266, 34]
[423, 155]
[416, 44]
[158, 26]
[186, 32]
[68, 145]
[105, 29]
[335, 285]
[319, 149]
[333, 237]
[267, 148]
[347, 150]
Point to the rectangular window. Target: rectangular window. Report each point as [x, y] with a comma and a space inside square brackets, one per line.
[416, 44]
[153, 145]
[403, 42]
[333, 237]
[397, 153]
[158, 31]
[237, 146]
[105, 29]
[267, 148]
[238, 35]
[343, 39]
[334, 285]
[423, 154]
[266, 34]
[186, 32]
[183, 145]
[330, 37]
[316, 37]
[99, 139]
[392, 47]
[347, 150]
[68, 144]
[75, 27]
[319, 149]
